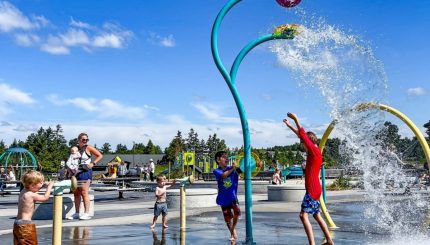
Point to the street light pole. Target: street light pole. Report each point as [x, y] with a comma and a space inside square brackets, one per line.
[133, 154]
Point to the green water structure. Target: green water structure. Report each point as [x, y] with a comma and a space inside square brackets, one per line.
[288, 31]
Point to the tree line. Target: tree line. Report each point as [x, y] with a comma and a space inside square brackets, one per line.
[50, 147]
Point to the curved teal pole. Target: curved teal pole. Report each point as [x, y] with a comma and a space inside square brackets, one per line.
[323, 183]
[230, 80]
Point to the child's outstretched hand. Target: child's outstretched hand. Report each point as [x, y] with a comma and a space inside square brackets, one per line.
[287, 122]
[49, 184]
[234, 164]
[292, 115]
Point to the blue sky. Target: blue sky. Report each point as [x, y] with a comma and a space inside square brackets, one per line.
[133, 70]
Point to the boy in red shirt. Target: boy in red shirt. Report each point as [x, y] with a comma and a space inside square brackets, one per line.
[310, 204]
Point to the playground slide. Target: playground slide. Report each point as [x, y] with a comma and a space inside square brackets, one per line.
[199, 170]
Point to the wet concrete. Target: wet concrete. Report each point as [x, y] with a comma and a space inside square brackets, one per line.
[127, 222]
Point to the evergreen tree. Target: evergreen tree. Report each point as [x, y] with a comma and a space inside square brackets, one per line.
[49, 147]
[121, 149]
[214, 144]
[192, 142]
[106, 148]
[2, 146]
[176, 145]
[139, 148]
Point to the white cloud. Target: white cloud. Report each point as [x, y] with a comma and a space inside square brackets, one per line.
[110, 36]
[79, 34]
[213, 113]
[26, 128]
[168, 42]
[105, 108]
[13, 95]
[74, 37]
[80, 25]
[151, 107]
[11, 18]
[4, 123]
[55, 45]
[10, 96]
[26, 40]
[418, 91]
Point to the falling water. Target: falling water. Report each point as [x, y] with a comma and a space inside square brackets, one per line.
[346, 72]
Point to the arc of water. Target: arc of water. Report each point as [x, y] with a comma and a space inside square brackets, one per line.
[365, 106]
[285, 32]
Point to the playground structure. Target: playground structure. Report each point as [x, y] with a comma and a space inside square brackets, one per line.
[20, 158]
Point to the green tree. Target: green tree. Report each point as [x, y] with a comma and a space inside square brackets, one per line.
[389, 135]
[121, 149]
[139, 148]
[215, 144]
[49, 146]
[106, 148]
[152, 149]
[2, 146]
[192, 141]
[176, 145]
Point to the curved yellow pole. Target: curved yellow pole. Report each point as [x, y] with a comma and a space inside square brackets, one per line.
[421, 139]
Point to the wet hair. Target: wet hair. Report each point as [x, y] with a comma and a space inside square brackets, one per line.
[219, 154]
[32, 177]
[312, 136]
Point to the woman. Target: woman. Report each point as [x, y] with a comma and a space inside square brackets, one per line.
[10, 176]
[84, 176]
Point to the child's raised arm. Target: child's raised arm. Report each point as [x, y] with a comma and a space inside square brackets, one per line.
[296, 131]
[45, 197]
[294, 117]
[172, 184]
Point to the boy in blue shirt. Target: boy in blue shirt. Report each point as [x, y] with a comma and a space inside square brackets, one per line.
[228, 178]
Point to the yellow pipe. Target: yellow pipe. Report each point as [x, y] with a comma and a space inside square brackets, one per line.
[182, 208]
[58, 219]
[364, 106]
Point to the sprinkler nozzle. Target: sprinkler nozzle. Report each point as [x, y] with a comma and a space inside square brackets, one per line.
[287, 31]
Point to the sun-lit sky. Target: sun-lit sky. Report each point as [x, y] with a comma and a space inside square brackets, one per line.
[129, 71]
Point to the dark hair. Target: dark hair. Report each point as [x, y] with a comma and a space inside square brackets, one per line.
[312, 136]
[219, 154]
[82, 134]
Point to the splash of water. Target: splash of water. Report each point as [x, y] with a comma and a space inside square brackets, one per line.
[346, 72]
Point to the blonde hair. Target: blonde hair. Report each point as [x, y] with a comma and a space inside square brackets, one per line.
[160, 178]
[32, 177]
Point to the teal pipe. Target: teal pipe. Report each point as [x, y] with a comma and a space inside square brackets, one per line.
[230, 79]
[323, 183]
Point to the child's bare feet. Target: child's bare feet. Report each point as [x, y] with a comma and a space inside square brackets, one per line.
[232, 238]
[234, 234]
[165, 226]
[328, 243]
[152, 226]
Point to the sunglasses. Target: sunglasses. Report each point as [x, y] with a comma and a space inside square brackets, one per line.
[85, 140]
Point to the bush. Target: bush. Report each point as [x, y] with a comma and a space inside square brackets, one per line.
[341, 183]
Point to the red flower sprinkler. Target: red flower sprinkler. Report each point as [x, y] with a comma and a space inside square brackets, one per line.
[288, 3]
